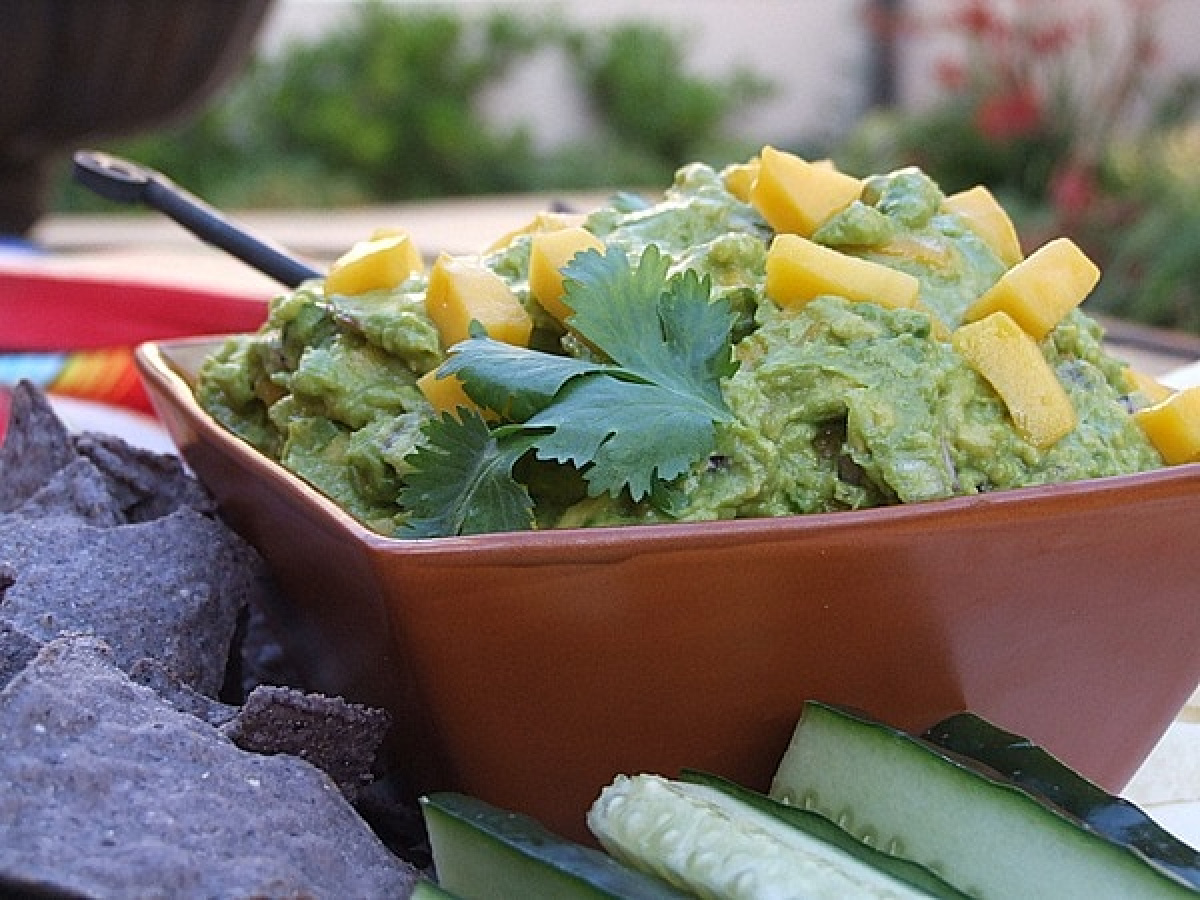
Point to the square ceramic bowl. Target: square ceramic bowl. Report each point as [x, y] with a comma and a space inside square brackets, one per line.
[530, 668]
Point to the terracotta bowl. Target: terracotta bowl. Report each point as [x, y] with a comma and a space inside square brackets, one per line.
[530, 668]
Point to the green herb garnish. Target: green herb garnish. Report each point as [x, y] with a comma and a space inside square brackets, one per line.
[634, 424]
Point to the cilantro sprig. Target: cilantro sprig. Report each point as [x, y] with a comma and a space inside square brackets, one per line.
[633, 424]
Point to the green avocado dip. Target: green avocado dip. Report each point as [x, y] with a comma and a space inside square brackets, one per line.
[832, 405]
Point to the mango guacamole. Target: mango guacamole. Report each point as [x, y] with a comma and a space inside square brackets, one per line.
[885, 344]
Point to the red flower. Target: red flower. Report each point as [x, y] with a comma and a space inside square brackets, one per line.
[1073, 191]
[951, 74]
[976, 19]
[1008, 116]
[1052, 39]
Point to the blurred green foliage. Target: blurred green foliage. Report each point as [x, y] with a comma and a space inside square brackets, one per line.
[391, 101]
[1144, 228]
[388, 108]
[1064, 123]
[635, 77]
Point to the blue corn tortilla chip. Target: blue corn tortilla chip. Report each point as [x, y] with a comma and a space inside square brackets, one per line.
[16, 648]
[79, 491]
[146, 485]
[338, 737]
[171, 589]
[109, 788]
[36, 445]
[154, 675]
[118, 577]
[100, 537]
[37, 448]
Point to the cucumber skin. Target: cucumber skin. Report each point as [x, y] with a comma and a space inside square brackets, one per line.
[987, 837]
[481, 851]
[830, 832]
[1039, 772]
[427, 890]
[710, 842]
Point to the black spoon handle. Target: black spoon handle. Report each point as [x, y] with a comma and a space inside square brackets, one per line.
[122, 181]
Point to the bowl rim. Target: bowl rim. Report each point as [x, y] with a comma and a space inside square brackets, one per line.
[170, 365]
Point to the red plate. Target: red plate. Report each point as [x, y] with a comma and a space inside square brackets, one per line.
[96, 322]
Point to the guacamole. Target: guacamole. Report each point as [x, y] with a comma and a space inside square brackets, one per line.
[832, 405]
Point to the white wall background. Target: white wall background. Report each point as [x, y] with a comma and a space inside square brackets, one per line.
[815, 51]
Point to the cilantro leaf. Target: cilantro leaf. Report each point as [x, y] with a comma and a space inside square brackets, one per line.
[624, 434]
[462, 481]
[514, 381]
[633, 426]
[667, 332]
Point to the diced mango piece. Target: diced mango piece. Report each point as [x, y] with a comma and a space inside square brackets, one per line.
[1173, 426]
[1041, 289]
[549, 252]
[1146, 385]
[380, 263]
[795, 196]
[1011, 361]
[739, 178]
[387, 231]
[462, 290]
[446, 393]
[928, 252]
[984, 215]
[938, 329]
[548, 220]
[799, 270]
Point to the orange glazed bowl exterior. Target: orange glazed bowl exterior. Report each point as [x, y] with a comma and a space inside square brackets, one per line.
[530, 668]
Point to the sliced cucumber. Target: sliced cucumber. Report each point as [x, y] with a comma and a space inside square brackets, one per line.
[987, 837]
[1033, 768]
[480, 851]
[427, 890]
[709, 840]
[823, 829]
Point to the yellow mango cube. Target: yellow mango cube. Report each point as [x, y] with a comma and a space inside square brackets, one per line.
[1011, 361]
[387, 231]
[549, 253]
[1173, 426]
[799, 270]
[445, 393]
[544, 221]
[983, 214]
[1149, 387]
[928, 252]
[739, 178]
[796, 196]
[938, 329]
[462, 290]
[1041, 289]
[381, 263]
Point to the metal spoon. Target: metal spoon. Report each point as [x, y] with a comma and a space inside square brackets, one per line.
[122, 181]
